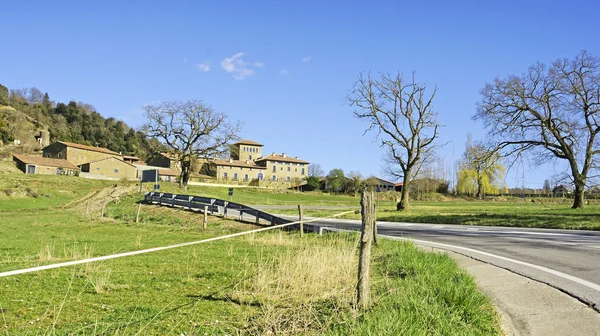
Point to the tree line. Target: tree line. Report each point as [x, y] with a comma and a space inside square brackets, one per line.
[550, 113]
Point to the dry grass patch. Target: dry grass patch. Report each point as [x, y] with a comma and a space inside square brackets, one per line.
[294, 288]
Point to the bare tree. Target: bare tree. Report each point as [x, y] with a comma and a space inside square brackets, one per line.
[551, 111]
[402, 114]
[315, 169]
[191, 130]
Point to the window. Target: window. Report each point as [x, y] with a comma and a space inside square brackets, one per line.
[302, 171]
[97, 168]
[274, 169]
[225, 175]
[235, 176]
[281, 168]
[274, 178]
[249, 157]
[289, 168]
[288, 179]
[116, 170]
[246, 177]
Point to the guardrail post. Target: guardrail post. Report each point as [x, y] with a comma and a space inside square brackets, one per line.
[225, 209]
[173, 200]
[190, 202]
[241, 214]
[300, 220]
[160, 198]
[205, 218]
[212, 206]
[257, 217]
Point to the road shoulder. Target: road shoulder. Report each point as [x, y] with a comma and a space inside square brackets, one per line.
[528, 307]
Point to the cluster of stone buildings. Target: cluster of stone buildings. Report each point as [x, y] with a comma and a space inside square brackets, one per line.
[246, 164]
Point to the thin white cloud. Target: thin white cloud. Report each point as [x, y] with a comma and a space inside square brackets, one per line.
[306, 59]
[238, 67]
[283, 72]
[204, 66]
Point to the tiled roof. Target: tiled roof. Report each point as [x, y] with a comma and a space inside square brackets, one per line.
[280, 157]
[42, 161]
[109, 158]
[370, 179]
[168, 172]
[130, 157]
[237, 163]
[170, 156]
[248, 142]
[399, 184]
[90, 148]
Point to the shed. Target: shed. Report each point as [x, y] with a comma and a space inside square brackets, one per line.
[30, 164]
[111, 168]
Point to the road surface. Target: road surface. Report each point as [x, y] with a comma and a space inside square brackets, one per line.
[565, 259]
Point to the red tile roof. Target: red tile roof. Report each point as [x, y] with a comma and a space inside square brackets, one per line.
[280, 157]
[248, 142]
[237, 163]
[42, 161]
[90, 148]
[109, 158]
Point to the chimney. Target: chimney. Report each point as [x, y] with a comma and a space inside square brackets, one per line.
[296, 157]
[283, 154]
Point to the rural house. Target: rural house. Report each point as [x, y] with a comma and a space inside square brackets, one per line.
[77, 154]
[110, 167]
[379, 184]
[247, 164]
[30, 164]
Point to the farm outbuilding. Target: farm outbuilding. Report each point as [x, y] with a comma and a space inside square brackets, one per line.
[31, 164]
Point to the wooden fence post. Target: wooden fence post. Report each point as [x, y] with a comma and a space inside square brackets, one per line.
[137, 215]
[300, 220]
[205, 218]
[363, 293]
[374, 224]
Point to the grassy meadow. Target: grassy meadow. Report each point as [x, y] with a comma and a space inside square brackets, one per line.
[265, 283]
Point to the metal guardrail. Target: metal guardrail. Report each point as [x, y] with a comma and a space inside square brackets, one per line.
[213, 205]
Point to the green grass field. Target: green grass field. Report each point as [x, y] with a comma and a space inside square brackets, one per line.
[258, 284]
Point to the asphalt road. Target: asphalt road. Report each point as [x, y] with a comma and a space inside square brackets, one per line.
[565, 259]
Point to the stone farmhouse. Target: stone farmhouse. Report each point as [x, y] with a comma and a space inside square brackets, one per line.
[246, 165]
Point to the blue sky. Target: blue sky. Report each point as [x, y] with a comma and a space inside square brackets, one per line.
[284, 68]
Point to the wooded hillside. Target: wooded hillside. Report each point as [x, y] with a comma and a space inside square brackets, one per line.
[24, 112]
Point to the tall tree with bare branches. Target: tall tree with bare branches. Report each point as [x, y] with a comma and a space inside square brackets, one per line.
[401, 113]
[191, 129]
[552, 111]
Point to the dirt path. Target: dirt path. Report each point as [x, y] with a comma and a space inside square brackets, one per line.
[93, 204]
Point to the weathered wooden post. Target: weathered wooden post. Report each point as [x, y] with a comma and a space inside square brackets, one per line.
[205, 218]
[363, 293]
[300, 220]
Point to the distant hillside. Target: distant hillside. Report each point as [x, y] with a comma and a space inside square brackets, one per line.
[25, 112]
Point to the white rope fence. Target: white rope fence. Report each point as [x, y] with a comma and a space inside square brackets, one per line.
[155, 249]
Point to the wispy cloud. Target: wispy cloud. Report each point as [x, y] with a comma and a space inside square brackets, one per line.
[204, 66]
[240, 69]
[306, 59]
[283, 72]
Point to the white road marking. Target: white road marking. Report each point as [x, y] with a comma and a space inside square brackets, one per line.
[580, 281]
